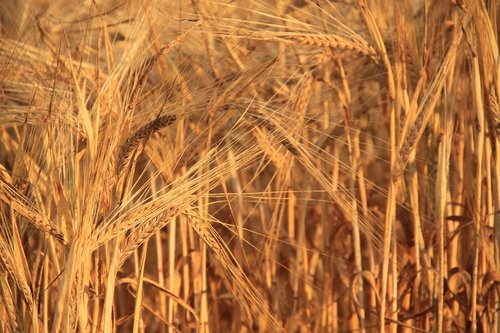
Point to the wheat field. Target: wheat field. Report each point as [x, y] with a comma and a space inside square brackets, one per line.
[249, 166]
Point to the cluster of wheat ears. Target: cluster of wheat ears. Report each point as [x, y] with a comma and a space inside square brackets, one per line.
[249, 166]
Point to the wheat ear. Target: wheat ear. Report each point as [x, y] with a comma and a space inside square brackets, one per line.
[143, 133]
[10, 195]
[337, 42]
[7, 260]
[148, 64]
[129, 147]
